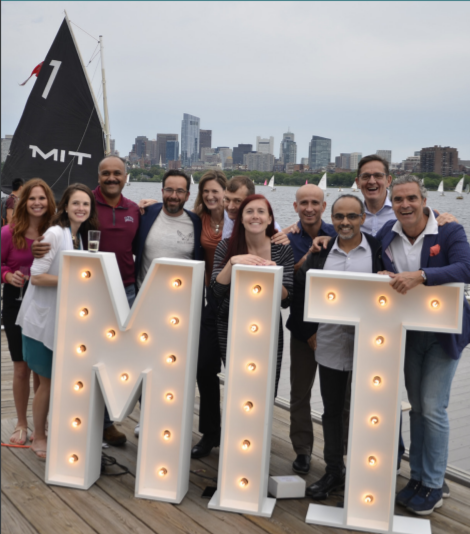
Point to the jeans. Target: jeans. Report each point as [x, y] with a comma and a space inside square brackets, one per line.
[428, 378]
[130, 294]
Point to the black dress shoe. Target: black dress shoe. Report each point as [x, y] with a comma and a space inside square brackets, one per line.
[204, 447]
[301, 464]
[320, 490]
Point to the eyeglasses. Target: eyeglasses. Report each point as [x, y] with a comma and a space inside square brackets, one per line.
[350, 216]
[366, 176]
[170, 191]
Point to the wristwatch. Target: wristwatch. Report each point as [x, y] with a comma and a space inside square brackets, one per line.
[425, 279]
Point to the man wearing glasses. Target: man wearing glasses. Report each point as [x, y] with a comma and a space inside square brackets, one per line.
[351, 251]
[168, 230]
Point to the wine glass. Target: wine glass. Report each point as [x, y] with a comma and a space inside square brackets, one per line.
[24, 269]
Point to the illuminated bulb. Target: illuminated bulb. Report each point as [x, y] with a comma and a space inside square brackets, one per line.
[256, 290]
[251, 367]
[171, 359]
[124, 377]
[73, 459]
[377, 380]
[177, 282]
[243, 482]
[169, 396]
[374, 420]
[162, 471]
[246, 445]
[86, 274]
[331, 296]
[83, 312]
[368, 499]
[174, 320]
[78, 386]
[81, 349]
[435, 304]
[76, 422]
[144, 337]
[110, 334]
[166, 434]
[254, 328]
[379, 340]
[382, 301]
[248, 406]
[372, 460]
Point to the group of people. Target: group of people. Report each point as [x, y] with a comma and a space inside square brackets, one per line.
[230, 225]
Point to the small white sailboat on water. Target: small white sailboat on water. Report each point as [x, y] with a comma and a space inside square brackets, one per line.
[467, 189]
[192, 179]
[459, 188]
[440, 189]
[271, 183]
[323, 185]
[128, 182]
[340, 189]
[354, 188]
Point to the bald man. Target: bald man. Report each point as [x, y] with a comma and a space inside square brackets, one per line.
[310, 205]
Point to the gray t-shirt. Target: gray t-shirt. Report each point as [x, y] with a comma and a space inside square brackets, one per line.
[169, 237]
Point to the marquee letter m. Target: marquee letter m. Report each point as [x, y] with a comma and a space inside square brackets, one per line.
[105, 353]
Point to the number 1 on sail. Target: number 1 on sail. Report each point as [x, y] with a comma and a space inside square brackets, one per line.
[56, 65]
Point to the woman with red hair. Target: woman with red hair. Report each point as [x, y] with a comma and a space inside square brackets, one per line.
[251, 244]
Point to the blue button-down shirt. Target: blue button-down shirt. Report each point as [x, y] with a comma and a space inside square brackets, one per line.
[302, 242]
[375, 221]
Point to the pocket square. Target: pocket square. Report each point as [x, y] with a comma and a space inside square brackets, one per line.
[434, 251]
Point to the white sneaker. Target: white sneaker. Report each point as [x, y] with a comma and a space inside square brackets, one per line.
[136, 431]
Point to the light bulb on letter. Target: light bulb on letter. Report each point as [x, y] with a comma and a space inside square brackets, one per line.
[144, 337]
[169, 396]
[171, 359]
[76, 422]
[368, 499]
[245, 445]
[124, 377]
[81, 349]
[83, 312]
[256, 290]
[174, 321]
[86, 274]
[177, 282]
[251, 367]
[374, 420]
[110, 334]
[78, 386]
[243, 482]
[166, 434]
[162, 471]
[248, 406]
[331, 296]
[376, 380]
[435, 304]
[372, 460]
[379, 340]
[382, 301]
[254, 328]
[73, 459]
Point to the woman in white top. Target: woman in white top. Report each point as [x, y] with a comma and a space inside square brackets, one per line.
[76, 214]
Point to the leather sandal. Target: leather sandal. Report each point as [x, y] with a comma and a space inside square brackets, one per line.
[22, 439]
[41, 454]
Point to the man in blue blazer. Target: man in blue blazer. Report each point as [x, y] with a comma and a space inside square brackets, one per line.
[418, 251]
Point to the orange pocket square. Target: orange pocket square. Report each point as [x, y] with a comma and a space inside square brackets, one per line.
[434, 251]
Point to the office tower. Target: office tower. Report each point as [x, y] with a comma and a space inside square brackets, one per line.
[161, 146]
[319, 152]
[411, 164]
[417, 153]
[304, 162]
[152, 151]
[385, 154]
[172, 151]
[344, 161]
[288, 150]
[441, 160]
[140, 146]
[355, 158]
[265, 146]
[205, 140]
[6, 142]
[189, 139]
[257, 161]
[112, 146]
[224, 152]
[238, 153]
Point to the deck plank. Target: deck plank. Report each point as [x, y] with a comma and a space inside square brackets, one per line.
[13, 521]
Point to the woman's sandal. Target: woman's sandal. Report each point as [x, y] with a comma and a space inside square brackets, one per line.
[40, 454]
[22, 440]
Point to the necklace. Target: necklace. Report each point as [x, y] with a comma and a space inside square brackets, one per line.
[217, 226]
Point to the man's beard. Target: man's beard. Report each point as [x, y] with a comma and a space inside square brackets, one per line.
[173, 208]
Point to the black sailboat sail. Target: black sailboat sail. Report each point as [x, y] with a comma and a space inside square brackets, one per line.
[60, 135]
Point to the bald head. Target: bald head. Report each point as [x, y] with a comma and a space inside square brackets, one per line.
[310, 205]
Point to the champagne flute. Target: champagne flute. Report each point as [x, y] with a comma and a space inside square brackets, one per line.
[24, 269]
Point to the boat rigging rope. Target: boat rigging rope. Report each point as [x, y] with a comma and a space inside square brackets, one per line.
[84, 31]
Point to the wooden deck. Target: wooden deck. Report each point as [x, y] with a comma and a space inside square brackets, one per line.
[30, 506]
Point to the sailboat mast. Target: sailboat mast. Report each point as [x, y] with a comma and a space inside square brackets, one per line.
[105, 103]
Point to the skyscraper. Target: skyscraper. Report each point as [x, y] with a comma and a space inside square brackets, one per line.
[189, 139]
[162, 140]
[238, 153]
[172, 151]
[319, 152]
[140, 146]
[265, 146]
[256, 161]
[385, 154]
[288, 151]
[205, 140]
[354, 160]
[441, 160]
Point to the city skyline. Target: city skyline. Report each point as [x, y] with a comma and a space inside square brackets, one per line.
[397, 103]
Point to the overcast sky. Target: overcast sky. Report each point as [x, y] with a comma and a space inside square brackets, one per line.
[368, 75]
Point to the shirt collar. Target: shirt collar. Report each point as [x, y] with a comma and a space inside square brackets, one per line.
[431, 226]
[387, 205]
[363, 244]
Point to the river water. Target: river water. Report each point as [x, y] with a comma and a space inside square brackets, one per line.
[282, 199]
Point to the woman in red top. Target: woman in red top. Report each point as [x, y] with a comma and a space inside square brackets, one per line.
[31, 219]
